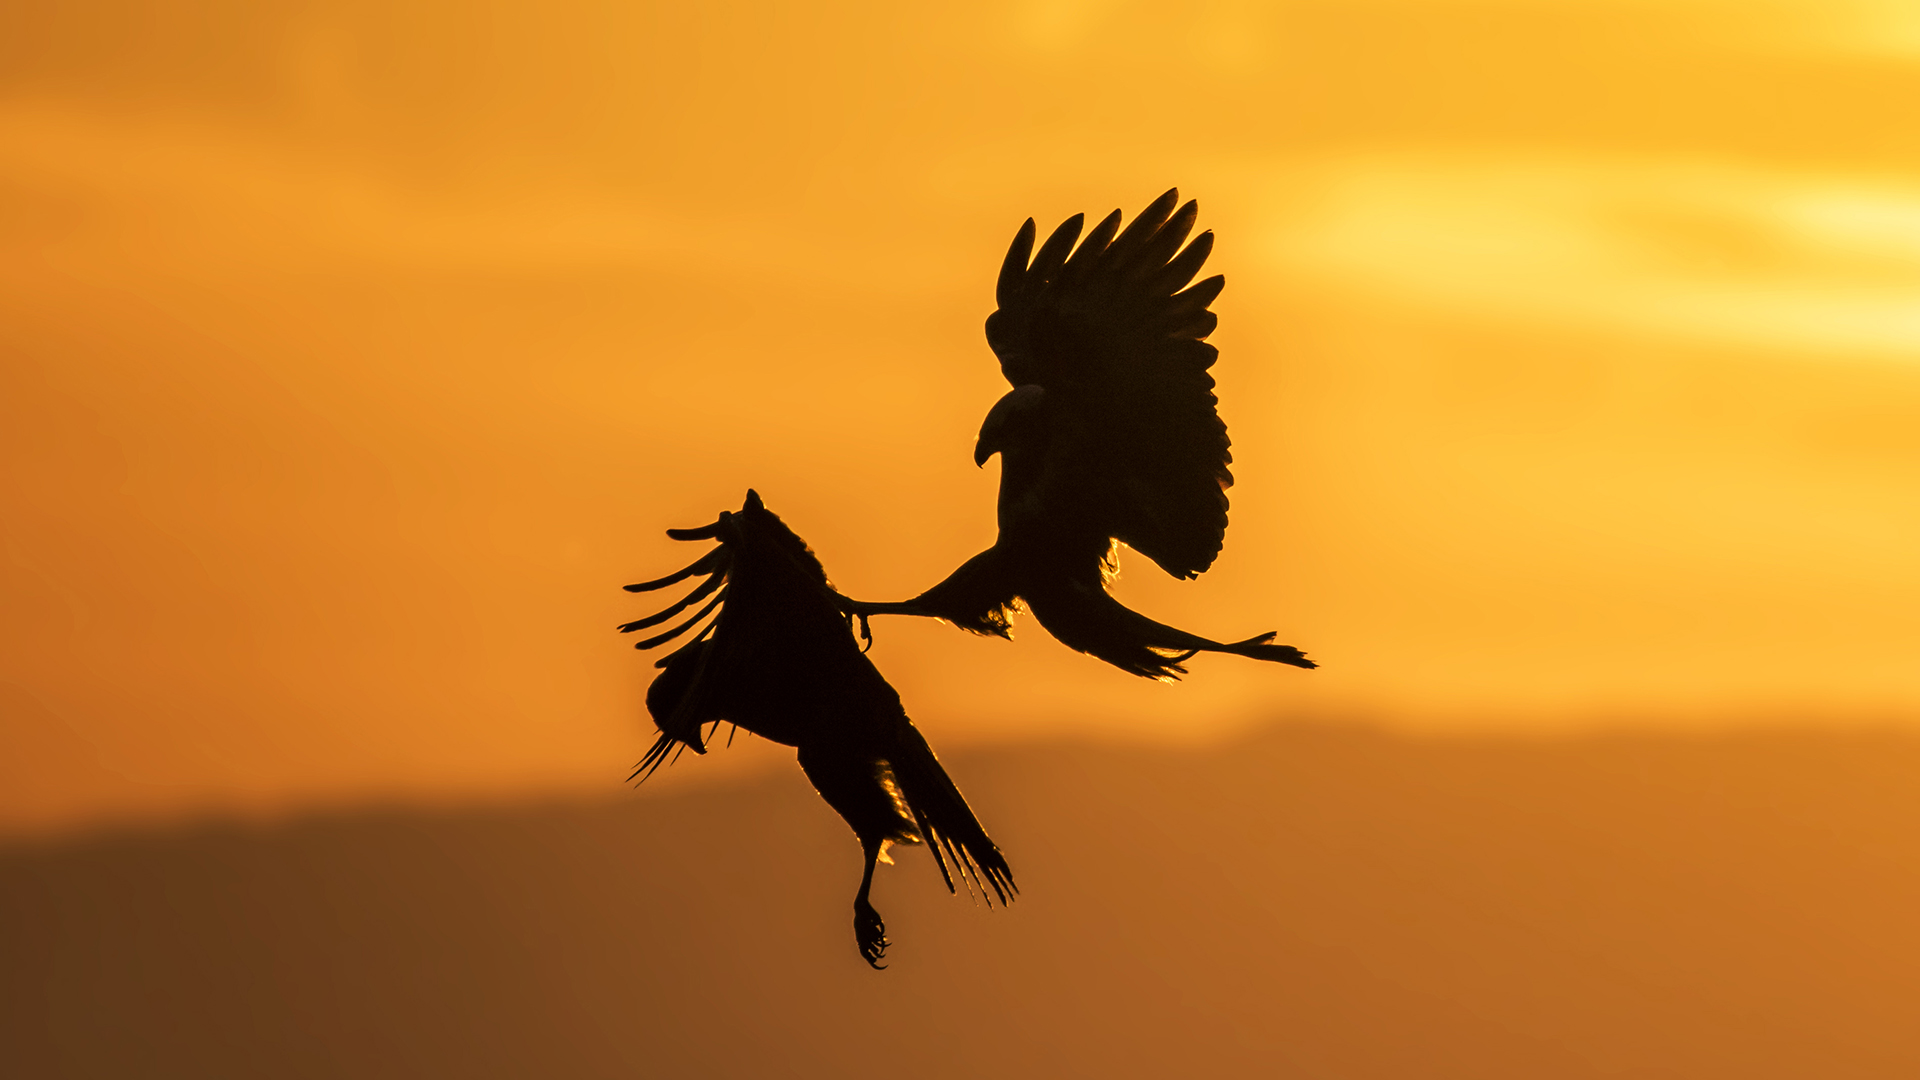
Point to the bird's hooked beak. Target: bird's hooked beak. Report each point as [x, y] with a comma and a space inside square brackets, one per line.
[997, 432]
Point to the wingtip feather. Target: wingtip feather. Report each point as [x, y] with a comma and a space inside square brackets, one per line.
[1053, 254]
[1014, 269]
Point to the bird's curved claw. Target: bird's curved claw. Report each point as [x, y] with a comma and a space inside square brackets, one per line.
[871, 933]
[855, 611]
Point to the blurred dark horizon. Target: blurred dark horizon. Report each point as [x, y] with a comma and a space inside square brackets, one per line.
[1312, 900]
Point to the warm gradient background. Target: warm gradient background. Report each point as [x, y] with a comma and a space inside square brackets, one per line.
[351, 355]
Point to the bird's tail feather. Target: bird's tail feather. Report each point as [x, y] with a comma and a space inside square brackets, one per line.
[947, 822]
[1087, 618]
[1262, 648]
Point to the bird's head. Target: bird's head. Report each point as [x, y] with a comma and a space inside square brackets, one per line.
[1010, 422]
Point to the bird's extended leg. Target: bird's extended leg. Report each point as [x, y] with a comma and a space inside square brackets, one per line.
[868, 929]
[851, 607]
[859, 611]
[978, 598]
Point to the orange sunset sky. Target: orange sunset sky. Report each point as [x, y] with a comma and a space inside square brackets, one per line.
[353, 354]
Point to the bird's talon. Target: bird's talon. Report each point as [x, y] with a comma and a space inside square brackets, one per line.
[871, 933]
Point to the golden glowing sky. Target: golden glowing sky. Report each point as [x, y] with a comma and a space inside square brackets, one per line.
[352, 354]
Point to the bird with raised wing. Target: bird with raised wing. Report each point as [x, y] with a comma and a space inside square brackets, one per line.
[777, 660]
[1109, 435]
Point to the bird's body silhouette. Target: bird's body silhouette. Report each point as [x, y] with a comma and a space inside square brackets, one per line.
[777, 660]
[1110, 434]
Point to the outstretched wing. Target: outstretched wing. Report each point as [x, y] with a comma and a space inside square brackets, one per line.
[683, 698]
[1115, 335]
[771, 633]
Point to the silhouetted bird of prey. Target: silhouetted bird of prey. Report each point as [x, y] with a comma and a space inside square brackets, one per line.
[777, 659]
[1109, 434]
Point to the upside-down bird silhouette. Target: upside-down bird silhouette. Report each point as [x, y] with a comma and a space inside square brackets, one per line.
[1109, 434]
[777, 660]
